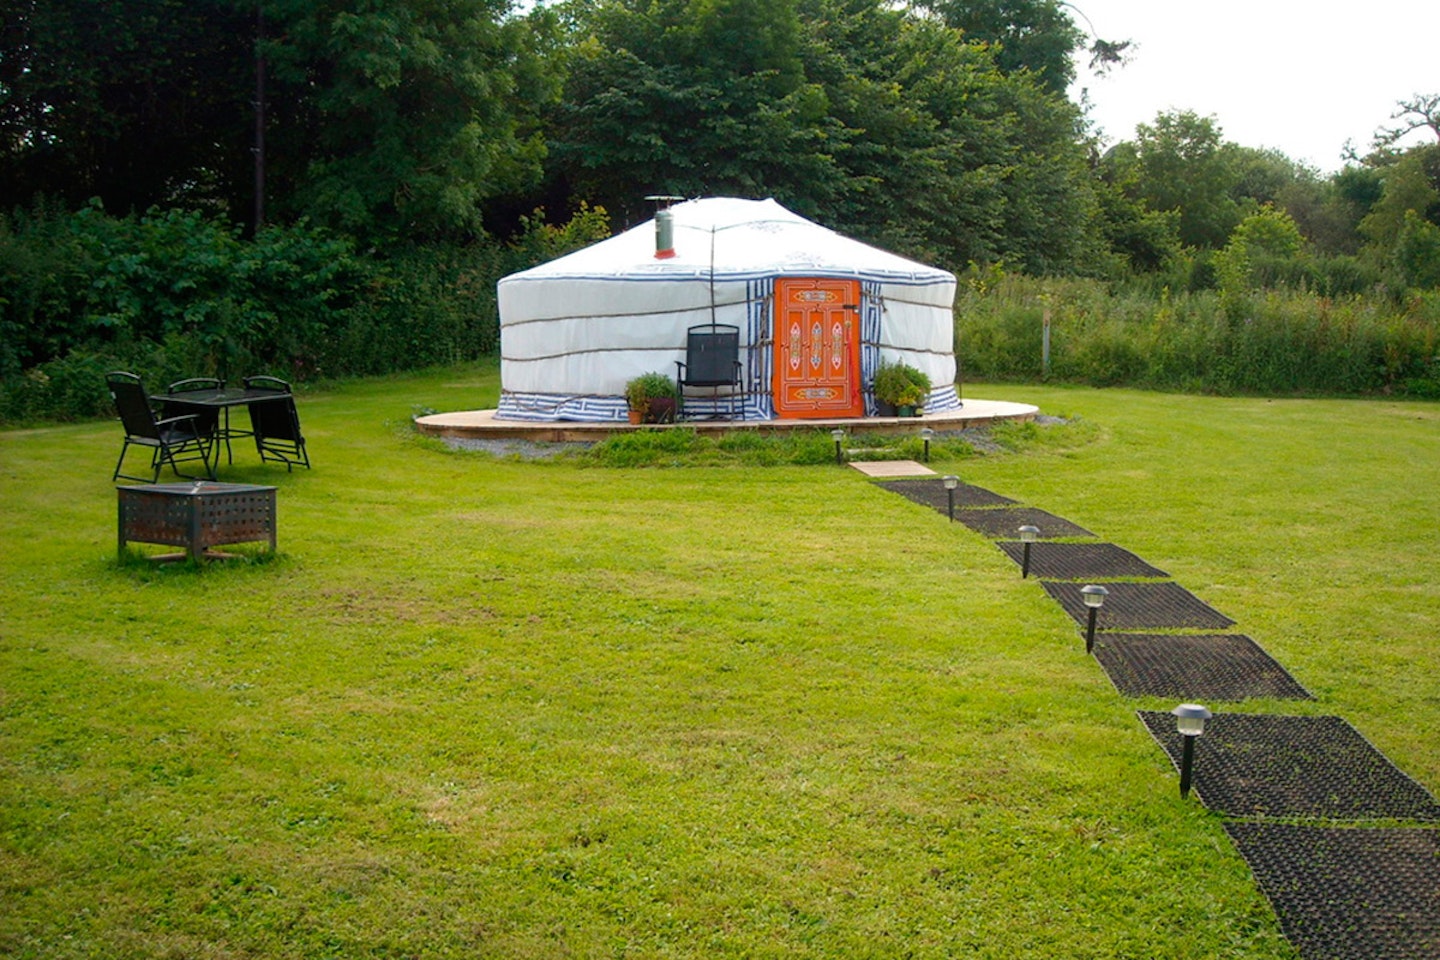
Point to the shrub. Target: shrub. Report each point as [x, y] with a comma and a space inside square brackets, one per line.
[901, 385]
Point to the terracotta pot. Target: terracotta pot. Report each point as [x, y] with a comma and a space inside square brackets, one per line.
[636, 416]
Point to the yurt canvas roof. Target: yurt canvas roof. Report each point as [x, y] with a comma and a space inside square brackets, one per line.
[575, 329]
[752, 238]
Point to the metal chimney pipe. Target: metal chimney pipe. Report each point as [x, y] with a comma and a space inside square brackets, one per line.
[664, 234]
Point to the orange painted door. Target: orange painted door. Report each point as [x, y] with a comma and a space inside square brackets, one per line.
[817, 349]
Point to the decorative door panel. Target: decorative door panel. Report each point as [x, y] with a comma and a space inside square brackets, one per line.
[817, 349]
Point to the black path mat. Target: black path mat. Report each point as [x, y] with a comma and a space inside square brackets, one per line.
[1141, 606]
[1080, 561]
[1003, 524]
[1349, 894]
[1193, 667]
[1249, 765]
[931, 492]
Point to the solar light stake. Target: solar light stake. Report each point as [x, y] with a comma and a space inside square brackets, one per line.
[1094, 597]
[838, 436]
[1028, 533]
[926, 434]
[951, 483]
[1190, 721]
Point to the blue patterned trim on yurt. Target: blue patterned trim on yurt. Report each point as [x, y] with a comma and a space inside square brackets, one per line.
[870, 310]
[547, 406]
[943, 399]
[759, 368]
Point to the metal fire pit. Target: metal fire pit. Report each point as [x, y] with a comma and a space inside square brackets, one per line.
[1250, 765]
[197, 515]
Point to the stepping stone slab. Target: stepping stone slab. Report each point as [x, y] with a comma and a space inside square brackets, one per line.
[1348, 894]
[1004, 524]
[1251, 765]
[931, 493]
[1140, 606]
[1080, 561]
[1193, 667]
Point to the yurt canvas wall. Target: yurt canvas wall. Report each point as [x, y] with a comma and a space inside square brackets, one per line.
[573, 331]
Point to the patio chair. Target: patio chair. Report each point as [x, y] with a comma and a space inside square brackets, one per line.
[172, 440]
[206, 418]
[712, 359]
[276, 424]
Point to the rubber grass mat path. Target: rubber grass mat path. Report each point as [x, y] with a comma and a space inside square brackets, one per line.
[1080, 561]
[1194, 667]
[1140, 606]
[1004, 524]
[931, 492]
[1348, 894]
[1252, 765]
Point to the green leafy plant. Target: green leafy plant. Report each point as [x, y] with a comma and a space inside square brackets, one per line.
[901, 385]
[649, 386]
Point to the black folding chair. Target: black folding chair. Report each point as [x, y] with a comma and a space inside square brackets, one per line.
[276, 424]
[712, 359]
[172, 440]
[206, 418]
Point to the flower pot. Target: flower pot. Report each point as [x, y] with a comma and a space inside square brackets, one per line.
[636, 416]
[905, 411]
[883, 409]
[660, 410]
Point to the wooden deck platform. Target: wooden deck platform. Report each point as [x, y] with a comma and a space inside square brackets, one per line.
[482, 425]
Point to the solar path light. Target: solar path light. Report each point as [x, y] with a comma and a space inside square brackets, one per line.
[1094, 596]
[1028, 535]
[1190, 721]
[927, 435]
[951, 482]
[838, 435]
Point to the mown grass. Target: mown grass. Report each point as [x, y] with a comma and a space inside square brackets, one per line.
[482, 707]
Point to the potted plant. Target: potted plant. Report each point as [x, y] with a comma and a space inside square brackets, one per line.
[900, 387]
[652, 398]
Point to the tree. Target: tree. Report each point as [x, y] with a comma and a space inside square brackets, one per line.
[1033, 35]
[392, 117]
[1420, 112]
[1410, 184]
[1182, 165]
[880, 123]
[138, 102]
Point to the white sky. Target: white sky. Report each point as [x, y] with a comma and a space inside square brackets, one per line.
[1299, 77]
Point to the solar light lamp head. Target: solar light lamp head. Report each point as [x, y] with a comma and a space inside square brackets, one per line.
[951, 482]
[1094, 595]
[1029, 533]
[1190, 719]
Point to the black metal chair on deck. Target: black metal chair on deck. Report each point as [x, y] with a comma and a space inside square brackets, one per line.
[276, 424]
[712, 359]
[172, 440]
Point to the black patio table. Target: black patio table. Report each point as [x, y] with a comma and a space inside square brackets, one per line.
[223, 400]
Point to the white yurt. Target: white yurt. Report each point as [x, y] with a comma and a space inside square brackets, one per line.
[816, 314]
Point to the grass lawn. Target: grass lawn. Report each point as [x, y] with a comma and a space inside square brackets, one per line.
[491, 708]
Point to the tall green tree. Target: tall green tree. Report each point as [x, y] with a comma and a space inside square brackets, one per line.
[1033, 35]
[135, 101]
[1180, 163]
[392, 117]
[884, 124]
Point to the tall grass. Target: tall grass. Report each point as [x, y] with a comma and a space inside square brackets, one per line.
[1270, 342]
